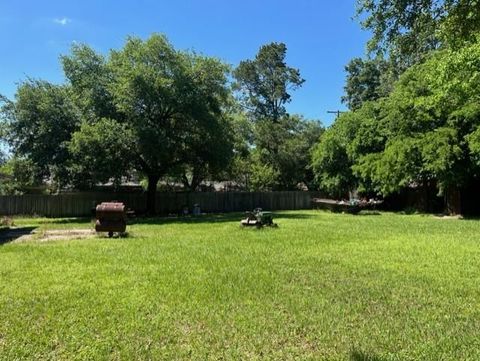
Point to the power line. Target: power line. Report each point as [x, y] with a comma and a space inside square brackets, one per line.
[338, 112]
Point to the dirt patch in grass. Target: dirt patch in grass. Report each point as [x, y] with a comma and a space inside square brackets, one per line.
[56, 234]
[441, 216]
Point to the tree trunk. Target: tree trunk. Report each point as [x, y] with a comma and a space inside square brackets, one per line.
[152, 194]
[196, 180]
[192, 186]
[453, 200]
[186, 184]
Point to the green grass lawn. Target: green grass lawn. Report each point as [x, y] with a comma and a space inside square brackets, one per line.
[321, 286]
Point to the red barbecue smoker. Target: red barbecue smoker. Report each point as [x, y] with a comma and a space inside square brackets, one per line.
[111, 217]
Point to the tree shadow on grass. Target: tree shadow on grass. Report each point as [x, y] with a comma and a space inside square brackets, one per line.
[296, 215]
[203, 218]
[357, 355]
[369, 213]
[66, 220]
[214, 218]
[468, 217]
[8, 235]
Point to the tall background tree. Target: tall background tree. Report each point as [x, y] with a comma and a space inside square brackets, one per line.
[265, 82]
[281, 143]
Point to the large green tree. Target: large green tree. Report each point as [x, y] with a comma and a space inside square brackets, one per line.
[404, 32]
[206, 154]
[281, 142]
[425, 132]
[169, 105]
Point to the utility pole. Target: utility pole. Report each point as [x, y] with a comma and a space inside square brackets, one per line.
[338, 112]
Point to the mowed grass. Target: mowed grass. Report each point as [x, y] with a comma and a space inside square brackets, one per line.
[320, 286]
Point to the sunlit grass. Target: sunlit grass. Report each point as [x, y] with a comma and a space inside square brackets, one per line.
[321, 286]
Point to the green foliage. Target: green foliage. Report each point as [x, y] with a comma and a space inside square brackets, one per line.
[367, 80]
[332, 166]
[287, 168]
[331, 161]
[282, 142]
[436, 103]
[409, 29]
[284, 148]
[169, 99]
[473, 141]
[165, 112]
[425, 130]
[89, 77]
[396, 167]
[18, 176]
[442, 156]
[264, 177]
[100, 152]
[243, 133]
[206, 155]
[39, 124]
[266, 81]
[146, 107]
[239, 170]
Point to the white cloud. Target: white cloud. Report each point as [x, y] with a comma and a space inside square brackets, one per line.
[62, 21]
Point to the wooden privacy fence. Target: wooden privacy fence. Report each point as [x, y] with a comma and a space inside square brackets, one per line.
[81, 204]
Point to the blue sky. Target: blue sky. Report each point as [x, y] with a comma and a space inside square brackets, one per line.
[321, 37]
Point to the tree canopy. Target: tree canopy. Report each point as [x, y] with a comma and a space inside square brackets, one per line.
[145, 108]
[281, 157]
[410, 29]
[169, 105]
[425, 131]
[38, 125]
[265, 82]
[367, 79]
[404, 33]
[149, 110]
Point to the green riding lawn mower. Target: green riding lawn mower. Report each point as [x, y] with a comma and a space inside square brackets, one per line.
[258, 218]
